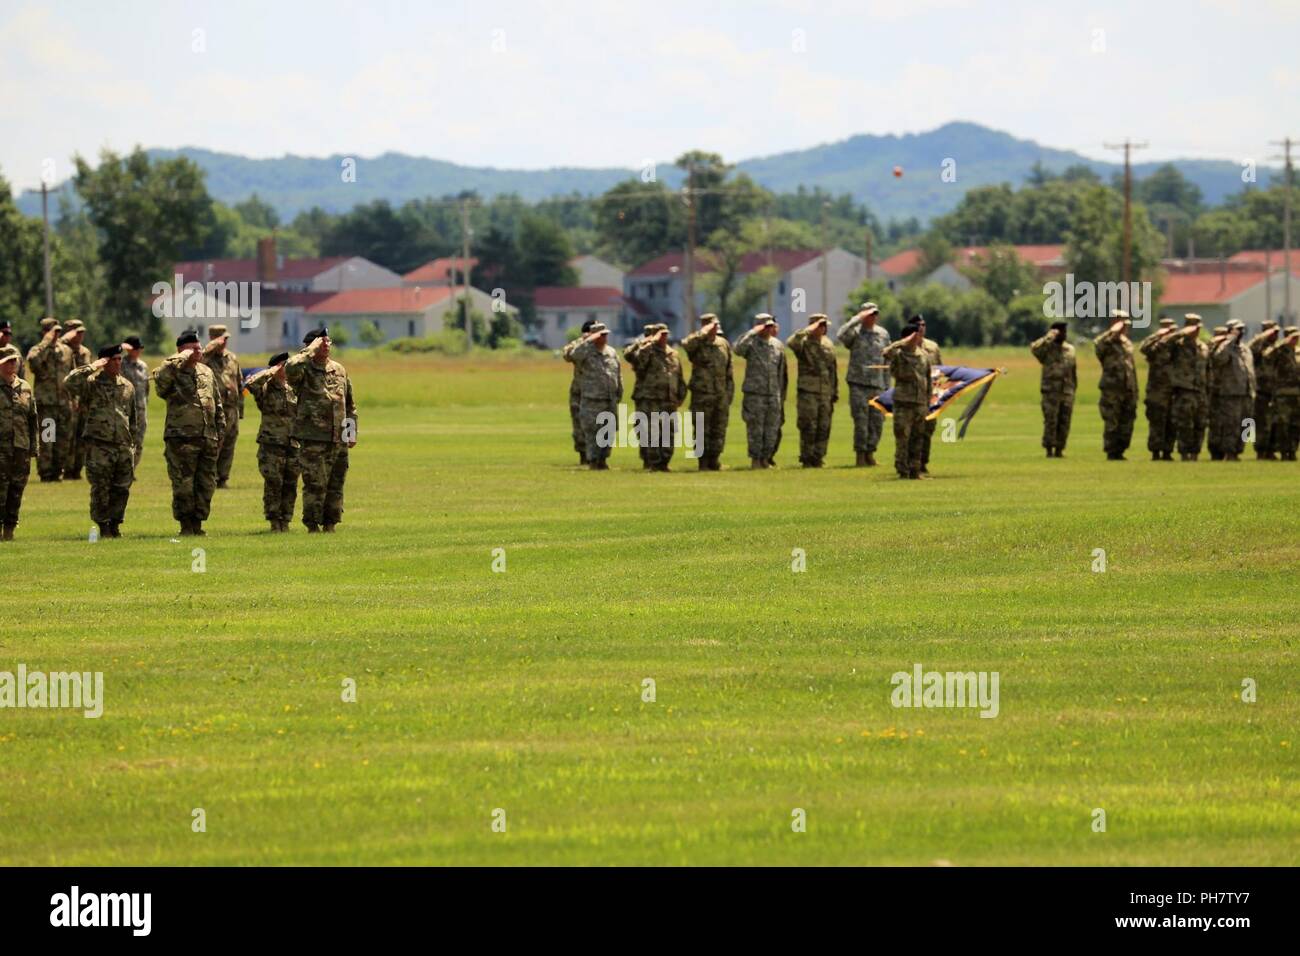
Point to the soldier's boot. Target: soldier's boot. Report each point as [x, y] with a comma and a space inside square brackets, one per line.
[871, 460]
[1051, 453]
[1060, 453]
[105, 529]
[198, 527]
[1157, 456]
[771, 463]
[913, 474]
[114, 529]
[7, 532]
[757, 463]
[582, 459]
[704, 464]
[327, 528]
[223, 483]
[312, 527]
[862, 460]
[1167, 456]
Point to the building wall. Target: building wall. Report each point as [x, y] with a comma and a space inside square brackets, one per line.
[845, 272]
[554, 324]
[355, 273]
[597, 273]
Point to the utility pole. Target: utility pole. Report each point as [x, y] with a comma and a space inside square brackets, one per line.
[869, 240]
[464, 245]
[688, 319]
[1128, 147]
[1286, 144]
[767, 241]
[45, 217]
[826, 208]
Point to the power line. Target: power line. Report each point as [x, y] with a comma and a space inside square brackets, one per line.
[1128, 147]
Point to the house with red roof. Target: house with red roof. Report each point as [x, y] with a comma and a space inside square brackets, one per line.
[1048, 258]
[398, 311]
[1221, 291]
[447, 271]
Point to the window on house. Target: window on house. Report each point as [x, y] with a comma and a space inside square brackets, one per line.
[649, 291]
[410, 328]
[780, 287]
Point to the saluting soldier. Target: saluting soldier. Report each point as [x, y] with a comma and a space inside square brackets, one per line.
[1234, 375]
[932, 352]
[601, 378]
[1161, 433]
[1285, 369]
[1118, 403]
[1266, 445]
[325, 426]
[712, 386]
[763, 392]
[192, 433]
[647, 335]
[74, 335]
[660, 391]
[17, 441]
[818, 388]
[277, 449]
[1060, 379]
[868, 377]
[909, 363]
[137, 373]
[225, 366]
[50, 360]
[108, 410]
[1219, 333]
[7, 346]
[575, 394]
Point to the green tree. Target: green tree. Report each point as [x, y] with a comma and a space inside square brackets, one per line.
[22, 268]
[1003, 274]
[370, 334]
[977, 319]
[257, 213]
[732, 294]
[545, 252]
[637, 221]
[877, 291]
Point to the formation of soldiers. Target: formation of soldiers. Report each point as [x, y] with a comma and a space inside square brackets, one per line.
[1199, 393]
[93, 414]
[661, 389]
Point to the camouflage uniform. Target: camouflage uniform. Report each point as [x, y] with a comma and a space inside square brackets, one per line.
[818, 389]
[600, 378]
[1285, 375]
[713, 387]
[12, 349]
[277, 450]
[108, 436]
[932, 352]
[1266, 441]
[137, 373]
[911, 370]
[17, 444]
[196, 421]
[76, 453]
[1119, 391]
[1059, 380]
[575, 402]
[1202, 417]
[1161, 431]
[51, 361]
[763, 391]
[1212, 394]
[225, 366]
[660, 391]
[1234, 376]
[326, 416]
[1187, 387]
[866, 381]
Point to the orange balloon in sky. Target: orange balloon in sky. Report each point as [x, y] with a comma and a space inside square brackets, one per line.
[898, 172]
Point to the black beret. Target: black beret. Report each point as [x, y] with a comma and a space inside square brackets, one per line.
[1061, 325]
[5, 326]
[110, 351]
[279, 357]
[586, 326]
[314, 334]
[913, 324]
[187, 337]
[133, 341]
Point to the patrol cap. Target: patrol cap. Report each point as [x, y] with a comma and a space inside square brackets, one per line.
[188, 337]
[278, 358]
[47, 324]
[1293, 330]
[1191, 318]
[1118, 314]
[216, 331]
[870, 307]
[1268, 324]
[314, 334]
[708, 317]
[1236, 324]
[818, 318]
[1060, 324]
[1166, 321]
[599, 328]
[110, 351]
[654, 328]
[74, 325]
[764, 319]
[133, 341]
[1220, 330]
[7, 356]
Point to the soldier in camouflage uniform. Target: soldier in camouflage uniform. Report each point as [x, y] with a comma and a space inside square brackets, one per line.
[7, 347]
[932, 352]
[1234, 377]
[1161, 433]
[50, 361]
[1119, 391]
[195, 423]
[601, 384]
[647, 335]
[713, 386]
[1212, 393]
[225, 366]
[660, 391]
[1186, 383]
[1060, 379]
[1266, 441]
[17, 441]
[137, 373]
[818, 388]
[108, 412]
[575, 395]
[909, 363]
[763, 391]
[867, 378]
[74, 334]
[325, 426]
[1285, 369]
[277, 449]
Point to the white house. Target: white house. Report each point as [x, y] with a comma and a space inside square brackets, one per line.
[560, 308]
[402, 312]
[596, 273]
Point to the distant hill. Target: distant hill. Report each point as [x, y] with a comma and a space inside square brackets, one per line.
[861, 165]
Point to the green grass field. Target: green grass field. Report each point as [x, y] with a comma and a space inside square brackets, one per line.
[523, 690]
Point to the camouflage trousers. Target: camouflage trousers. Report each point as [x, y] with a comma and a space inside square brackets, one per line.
[192, 468]
[1266, 437]
[74, 454]
[110, 469]
[1226, 426]
[324, 468]
[909, 437]
[278, 465]
[575, 419]
[142, 426]
[715, 412]
[868, 421]
[226, 447]
[15, 466]
[1118, 411]
[1161, 430]
[1058, 409]
[814, 420]
[925, 440]
[658, 435]
[589, 412]
[763, 415]
[1286, 424]
[51, 456]
[1188, 425]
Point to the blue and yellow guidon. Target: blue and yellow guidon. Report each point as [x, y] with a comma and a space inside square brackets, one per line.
[947, 382]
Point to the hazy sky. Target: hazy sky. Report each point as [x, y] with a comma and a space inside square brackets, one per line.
[550, 82]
